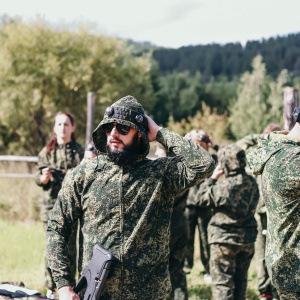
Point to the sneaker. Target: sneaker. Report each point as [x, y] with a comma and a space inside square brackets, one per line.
[207, 278]
[265, 297]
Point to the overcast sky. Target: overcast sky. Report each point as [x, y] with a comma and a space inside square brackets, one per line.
[169, 23]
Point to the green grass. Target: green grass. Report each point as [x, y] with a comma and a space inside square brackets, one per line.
[19, 196]
[22, 253]
[22, 259]
[22, 239]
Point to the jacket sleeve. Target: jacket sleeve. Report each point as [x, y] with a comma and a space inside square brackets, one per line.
[190, 163]
[41, 163]
[249, 142]
[214, 193]
[62, 218]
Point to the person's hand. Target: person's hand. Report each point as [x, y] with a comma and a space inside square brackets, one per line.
[67, 293]
[153, 129]
[211, 142]
[217, 173]
[46, 175]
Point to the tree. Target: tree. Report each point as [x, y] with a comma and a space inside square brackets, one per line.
[43, 70]
[178, 96]
[207, 119]
[259, 100]
[275, 98]
[247, 113]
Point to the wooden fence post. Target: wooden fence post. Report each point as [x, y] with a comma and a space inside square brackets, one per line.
[91, 96]
[290, 101]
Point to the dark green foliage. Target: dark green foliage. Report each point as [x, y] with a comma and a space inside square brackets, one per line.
[180, 95]
[232, 59]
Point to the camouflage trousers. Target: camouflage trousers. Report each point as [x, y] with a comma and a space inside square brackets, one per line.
[178, 239]
[229, 265]
[72, 246]
[264, 281]
[197, 217]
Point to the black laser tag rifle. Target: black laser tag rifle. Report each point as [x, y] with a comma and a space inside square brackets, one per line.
[95, 274]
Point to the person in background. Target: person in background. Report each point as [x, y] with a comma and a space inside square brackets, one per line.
[124, 202]
[232, 228]
[60, 154]
[198, 216]
[266, 289]
[277, 160]
[178, 239]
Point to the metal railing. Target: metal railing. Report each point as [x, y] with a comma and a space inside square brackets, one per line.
[15, 158]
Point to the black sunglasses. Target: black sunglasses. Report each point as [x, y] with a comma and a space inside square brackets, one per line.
[122, 129]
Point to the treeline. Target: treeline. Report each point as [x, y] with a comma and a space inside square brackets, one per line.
[232, 59]
[45, 69]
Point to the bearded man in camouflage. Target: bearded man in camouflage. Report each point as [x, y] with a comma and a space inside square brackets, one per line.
[124, 202]
[277, 159]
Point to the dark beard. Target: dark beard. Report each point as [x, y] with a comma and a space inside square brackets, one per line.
[125, 156]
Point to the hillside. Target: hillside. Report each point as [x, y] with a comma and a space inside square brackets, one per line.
[230, 60]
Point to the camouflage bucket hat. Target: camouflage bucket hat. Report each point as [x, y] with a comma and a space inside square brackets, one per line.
[232, 158]
[127, 111]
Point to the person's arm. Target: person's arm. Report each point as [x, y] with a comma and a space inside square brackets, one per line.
[206, 195]
[249, 141]
[214, 193]
[190, 164]
[43, 174]
[62, 218]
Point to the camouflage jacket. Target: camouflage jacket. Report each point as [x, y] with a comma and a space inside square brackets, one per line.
[249, 143]
[192, 195]
[126, 209]
[63, 158]
[233, 200]
[277, 159]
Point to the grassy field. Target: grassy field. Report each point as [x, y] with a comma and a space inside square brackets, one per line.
[22, 258]
[22, 253]
[18, 196]
[22, 239]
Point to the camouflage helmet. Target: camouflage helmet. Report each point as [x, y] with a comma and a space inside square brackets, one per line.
[232, 158]
[127, 111]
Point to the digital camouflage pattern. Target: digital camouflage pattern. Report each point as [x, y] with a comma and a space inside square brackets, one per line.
[178, 239]
[197, 217]
[249, 143]
[277, 159]
[127, 111]
[229, 265]
[126, 209]
[63, 157]
[233, 200]
[232, 228]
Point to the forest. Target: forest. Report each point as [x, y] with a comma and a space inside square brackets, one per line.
[232, 59]
[230, 90]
